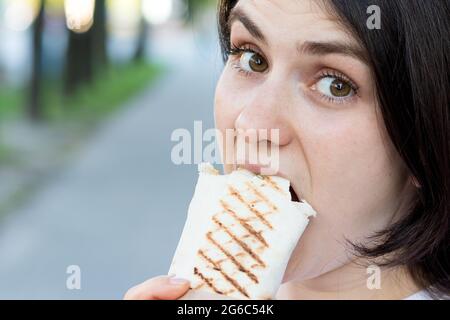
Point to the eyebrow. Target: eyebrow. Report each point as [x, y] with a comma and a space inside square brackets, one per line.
[307, 47]
[333, 47]
[237, 14]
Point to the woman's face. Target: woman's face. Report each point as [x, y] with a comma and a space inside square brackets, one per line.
[293, 68]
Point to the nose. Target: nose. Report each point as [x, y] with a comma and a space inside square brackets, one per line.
[266, 110]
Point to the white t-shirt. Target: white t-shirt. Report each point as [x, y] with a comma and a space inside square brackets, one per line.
[420, 295]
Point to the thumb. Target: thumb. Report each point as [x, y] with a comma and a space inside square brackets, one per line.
[159, 288]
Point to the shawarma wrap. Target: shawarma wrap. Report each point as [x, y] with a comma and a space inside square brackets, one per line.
[239, 234]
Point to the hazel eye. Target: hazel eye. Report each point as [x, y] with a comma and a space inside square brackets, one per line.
[334, 87]
[253, 62]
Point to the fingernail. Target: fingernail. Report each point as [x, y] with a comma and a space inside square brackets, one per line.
[178, 281]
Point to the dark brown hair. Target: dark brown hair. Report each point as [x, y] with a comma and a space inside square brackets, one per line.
[410, 61]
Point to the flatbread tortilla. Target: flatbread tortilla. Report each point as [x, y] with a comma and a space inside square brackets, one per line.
[239, 234]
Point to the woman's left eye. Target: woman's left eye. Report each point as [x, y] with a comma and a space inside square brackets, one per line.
[335, 88]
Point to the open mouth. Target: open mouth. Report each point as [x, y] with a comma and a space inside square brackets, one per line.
[294, 196]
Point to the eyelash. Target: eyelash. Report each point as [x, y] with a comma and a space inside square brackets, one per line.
[238, 50]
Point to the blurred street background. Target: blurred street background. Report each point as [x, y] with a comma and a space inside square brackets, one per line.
[90, 92]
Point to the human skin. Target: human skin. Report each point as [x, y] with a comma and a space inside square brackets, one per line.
[334, 150]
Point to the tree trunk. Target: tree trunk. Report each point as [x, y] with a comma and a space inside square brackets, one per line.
[86, 52]
[78, 69]
[141, 42]
[139, 54]
[35, 107]
[99, 37]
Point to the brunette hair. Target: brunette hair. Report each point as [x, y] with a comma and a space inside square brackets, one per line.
[409, 57]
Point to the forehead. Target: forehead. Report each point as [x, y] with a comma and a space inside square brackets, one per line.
[294, 20]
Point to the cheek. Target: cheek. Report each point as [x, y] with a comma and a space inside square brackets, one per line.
[348, 154]
[356, 181]
[354, 160]
[357, 178]
[226, 110]
[221, 117]
[226, 101]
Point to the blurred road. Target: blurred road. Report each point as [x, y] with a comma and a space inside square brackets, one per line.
[117, 209]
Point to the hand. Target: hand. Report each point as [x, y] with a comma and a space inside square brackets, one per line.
[159, 288]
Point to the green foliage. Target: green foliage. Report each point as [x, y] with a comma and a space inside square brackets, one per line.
[95, 100]
[194, 7]
[6, 154]
[108, 91]
[90, 104]
[11, 100]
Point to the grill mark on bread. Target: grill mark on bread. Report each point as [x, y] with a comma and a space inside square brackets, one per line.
[246, 249]
[239, 266]
[202, 284]
[261, 197]
[236, 194]
[197, 287]
[243, 245]
[273, 184]
[207, 281]
[233, 282]
[244, 224]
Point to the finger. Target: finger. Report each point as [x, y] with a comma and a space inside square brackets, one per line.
[159, 288]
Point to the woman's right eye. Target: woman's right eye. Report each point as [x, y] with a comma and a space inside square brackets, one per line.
[252, 61]
[249, 61]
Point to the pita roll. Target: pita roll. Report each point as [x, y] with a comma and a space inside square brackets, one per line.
[239, 234]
